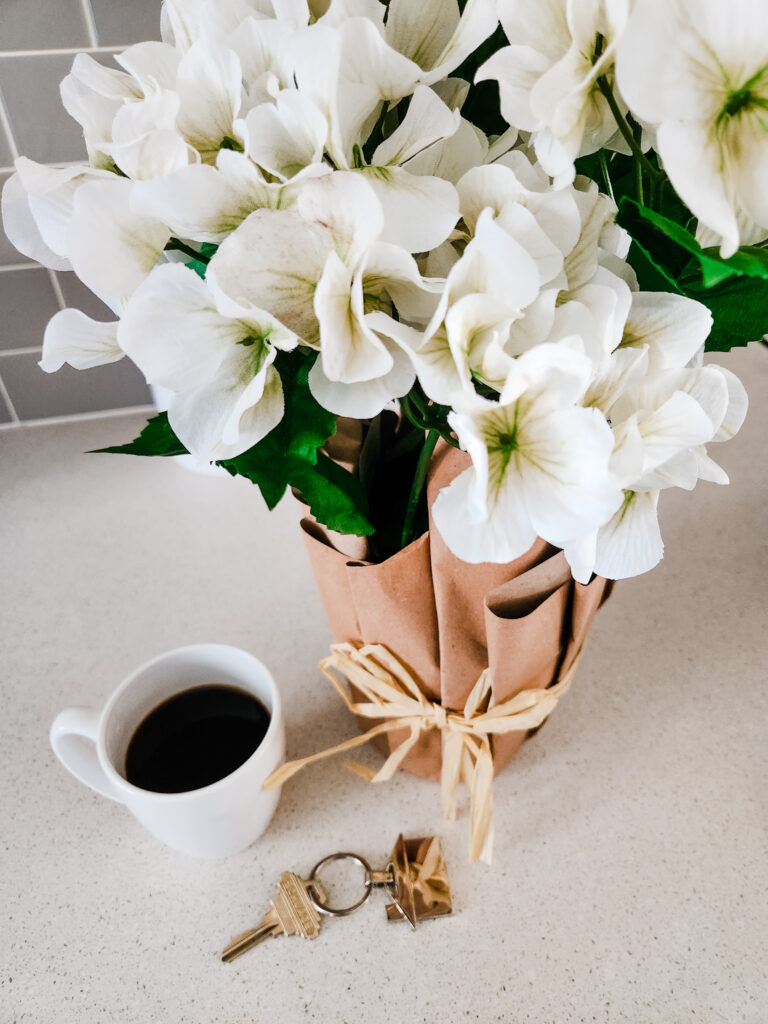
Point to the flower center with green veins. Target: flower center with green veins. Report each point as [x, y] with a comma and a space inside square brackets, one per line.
[259, 348]
[744, 99]
[507, 442]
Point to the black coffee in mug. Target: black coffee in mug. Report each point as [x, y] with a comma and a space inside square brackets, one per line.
[195, 738]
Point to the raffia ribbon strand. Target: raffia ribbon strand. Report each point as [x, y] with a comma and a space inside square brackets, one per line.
[391, 693]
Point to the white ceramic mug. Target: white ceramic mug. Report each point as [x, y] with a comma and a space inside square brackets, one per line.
[215, 821]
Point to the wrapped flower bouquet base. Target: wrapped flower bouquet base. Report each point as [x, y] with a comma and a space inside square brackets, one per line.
[518, 627]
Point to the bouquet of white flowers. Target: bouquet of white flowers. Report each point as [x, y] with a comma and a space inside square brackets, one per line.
[519, 238]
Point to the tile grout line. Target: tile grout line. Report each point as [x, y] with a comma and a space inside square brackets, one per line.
[5, 124]
[15, 421]
[90, 22]
[24, 351]
[19, 266]
[67, 51]
[77, 417]
[57, 290]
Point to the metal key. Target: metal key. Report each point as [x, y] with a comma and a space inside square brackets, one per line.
[292, 913]
[414, 879]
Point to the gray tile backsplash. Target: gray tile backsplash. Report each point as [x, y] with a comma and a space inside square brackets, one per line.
[44, 131]
[42, 25]
[76, 294]
[36, 394]
[119, 23]
[5, 416]
[6, 157]
[27, 302]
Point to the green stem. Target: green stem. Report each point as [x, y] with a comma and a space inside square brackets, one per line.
[417, 488]
[186, 249]
[626, 131]
[606, 175]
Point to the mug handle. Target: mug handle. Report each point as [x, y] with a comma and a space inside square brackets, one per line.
[73, 737]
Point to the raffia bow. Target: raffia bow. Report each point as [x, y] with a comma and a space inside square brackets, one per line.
[392, 694]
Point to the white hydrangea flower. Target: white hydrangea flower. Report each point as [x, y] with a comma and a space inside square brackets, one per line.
[663, 410]
[548, 76]
[214, 354]
[323, 271]
[540, 463]
[529, 274]
[38, 206]
[698, 70]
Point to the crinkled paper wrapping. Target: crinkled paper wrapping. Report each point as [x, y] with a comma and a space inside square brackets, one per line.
[447, 620]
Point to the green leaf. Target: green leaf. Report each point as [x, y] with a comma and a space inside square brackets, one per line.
[157, 438]
[650, 275]
[739, 309]
[290, 450]
[207, 250]
[666, 257]
[671, 245]
[335, 497]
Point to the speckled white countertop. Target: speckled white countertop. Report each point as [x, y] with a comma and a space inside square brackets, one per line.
[630, 880]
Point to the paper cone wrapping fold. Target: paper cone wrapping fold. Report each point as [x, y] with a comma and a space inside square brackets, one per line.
[447, 620]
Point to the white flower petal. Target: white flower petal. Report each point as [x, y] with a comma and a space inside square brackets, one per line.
[623, 368]
[516, 69]
[709, 470]
[209, 84]
[349, 351]
[682, 470]
[274, 261]
[93, 112]
[453, 92]
[181, 22]
[680, 422]
[72, 337]
[630, 544]
[422, 30]
[205, 203]
[363, 399]
[173, 331]
[419, 212]
[22, 229]
[580, 555]
[222, 421]
[565, 484]
[339, 11]
[427, 121]
[693, 166]
[391, 271]
[506, 534]
[104, 81]
[347, 205]
[152, 156]
[541, 24]
[673, 327]
[286, 136]
[451, 158]
[293, 13]
[738, 404]
[707, 385]
[152, 64]
[51, 202]
[260, 45]
[112, 249]
[496, 264]
[478, 21]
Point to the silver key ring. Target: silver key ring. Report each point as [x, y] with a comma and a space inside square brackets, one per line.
[316, 898]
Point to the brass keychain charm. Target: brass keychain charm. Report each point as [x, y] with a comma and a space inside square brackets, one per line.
[415, 879]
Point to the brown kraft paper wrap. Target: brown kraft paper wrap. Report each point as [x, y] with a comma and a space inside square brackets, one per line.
[448, 620]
